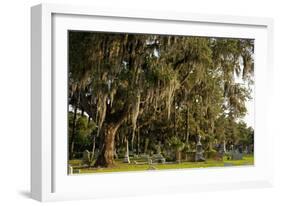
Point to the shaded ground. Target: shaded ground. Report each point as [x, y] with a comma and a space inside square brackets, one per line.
[122, 167]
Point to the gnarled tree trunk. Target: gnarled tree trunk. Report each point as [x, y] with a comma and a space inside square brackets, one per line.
[106, 157]
[114, 121]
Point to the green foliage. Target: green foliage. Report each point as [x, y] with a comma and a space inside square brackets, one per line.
[160, 88]
[176, 143]
[83, 129]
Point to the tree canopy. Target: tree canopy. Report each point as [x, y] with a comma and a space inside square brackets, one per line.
[147, 89]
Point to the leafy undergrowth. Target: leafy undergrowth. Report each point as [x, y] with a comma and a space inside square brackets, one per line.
[123, 167]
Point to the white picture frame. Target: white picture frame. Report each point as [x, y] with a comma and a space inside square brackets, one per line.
[49, 179]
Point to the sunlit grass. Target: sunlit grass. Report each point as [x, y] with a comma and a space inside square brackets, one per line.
[123, 167]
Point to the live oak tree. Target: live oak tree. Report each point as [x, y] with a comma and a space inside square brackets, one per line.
[120, 75]
[136, 84]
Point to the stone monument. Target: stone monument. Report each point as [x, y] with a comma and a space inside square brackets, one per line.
[86, 157]
[127, 158]
[199, 153]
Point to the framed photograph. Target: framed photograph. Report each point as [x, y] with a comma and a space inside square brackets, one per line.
[137, 102]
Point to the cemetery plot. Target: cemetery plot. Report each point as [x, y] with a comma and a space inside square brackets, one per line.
[141, 102]
[247, 160]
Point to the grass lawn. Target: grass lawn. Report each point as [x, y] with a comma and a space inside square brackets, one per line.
[123, 167]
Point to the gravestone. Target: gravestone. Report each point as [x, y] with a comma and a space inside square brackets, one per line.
[158, 148]
[246, 151]
[224, 146]
[236, 155]
[199, 155]
[158, 158]
[86, 157]
[221, 149]
[144, 156]
[127, 158]
[142, 159]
